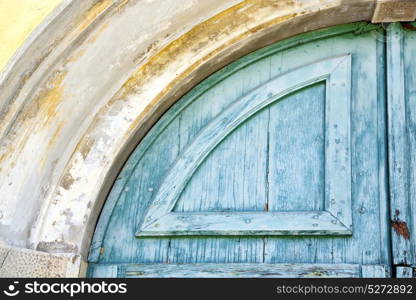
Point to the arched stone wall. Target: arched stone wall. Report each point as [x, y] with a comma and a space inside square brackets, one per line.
[92, 80]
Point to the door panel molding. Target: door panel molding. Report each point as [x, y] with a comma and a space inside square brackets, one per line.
[337, 217]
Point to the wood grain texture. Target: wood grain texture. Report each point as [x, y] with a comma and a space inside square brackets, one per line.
[336, 72]
[241, 271]
[408, 215]
[256, 168]
[398, 147]
[375, 271]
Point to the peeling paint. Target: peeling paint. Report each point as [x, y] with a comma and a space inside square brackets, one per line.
[93, 13]
[45, 103]
[97, 33]
[76, 56]
[67, 181]
[49, 97]
[56, 247]
[85, 148]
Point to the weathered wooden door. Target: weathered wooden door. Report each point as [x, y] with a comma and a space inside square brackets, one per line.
[275, 166]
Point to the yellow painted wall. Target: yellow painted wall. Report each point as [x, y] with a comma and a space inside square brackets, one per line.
[18, 18]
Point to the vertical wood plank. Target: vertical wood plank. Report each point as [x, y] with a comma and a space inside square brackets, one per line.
[383, 192]
[241, 270]
[398, 147]
[409, 54]
[368, 216]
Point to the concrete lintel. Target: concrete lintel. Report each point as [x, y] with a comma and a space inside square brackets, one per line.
[394, 11]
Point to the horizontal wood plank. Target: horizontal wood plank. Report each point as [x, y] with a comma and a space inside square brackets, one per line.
[240, 270]
[246, 223]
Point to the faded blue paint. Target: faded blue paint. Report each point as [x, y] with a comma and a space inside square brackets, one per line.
[222, 154]
[336, 220]
[401, 84]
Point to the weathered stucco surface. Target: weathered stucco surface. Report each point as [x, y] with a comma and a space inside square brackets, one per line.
[94, 80]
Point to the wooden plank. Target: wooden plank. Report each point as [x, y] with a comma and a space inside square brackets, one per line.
[102, 271]
[337, 73]
[367, 165]
[133, 201]
[211, 270]
[338, 144]
[409, 54]
[231, 178]
[374, 271]
[383, 176]
[404, 272]
[246, 223]
[398, 147]
[355, 249]
[296, 177]
[224, 181]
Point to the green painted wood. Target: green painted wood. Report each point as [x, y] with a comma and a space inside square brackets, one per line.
[336, 72]
[251, 168]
